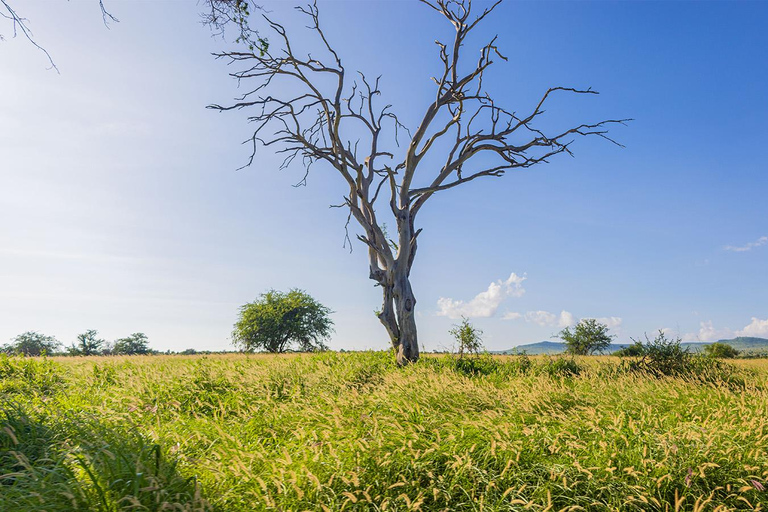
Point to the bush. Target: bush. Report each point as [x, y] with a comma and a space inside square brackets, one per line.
[468, 337]
[721, 350]
[589, 336]
[636, 349]
[660, 356]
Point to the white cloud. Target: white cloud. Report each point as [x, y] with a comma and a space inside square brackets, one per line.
[758, 328]
[708, 332]
[749, 246]
[566, 319]
[542, 318]
[545, 318]
[511, 315]
[613, 322]
[485, 303]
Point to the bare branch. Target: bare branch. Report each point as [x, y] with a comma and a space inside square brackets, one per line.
[338, 121]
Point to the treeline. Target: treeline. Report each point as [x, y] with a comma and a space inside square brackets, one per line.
[33, 343]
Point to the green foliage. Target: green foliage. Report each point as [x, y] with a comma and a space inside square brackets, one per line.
[32, 343]
[277, 321]
[589, 336]
[468, 337]
[87, 344]
[136, 343]
[636, 349]
[721, 350]
[24, 376]
[663, 357]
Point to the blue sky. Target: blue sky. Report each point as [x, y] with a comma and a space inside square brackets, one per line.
[121, 209]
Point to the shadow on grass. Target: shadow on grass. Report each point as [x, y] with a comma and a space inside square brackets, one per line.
[70, 464]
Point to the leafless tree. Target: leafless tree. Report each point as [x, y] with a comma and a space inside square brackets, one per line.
[20, 25]
[381, 179]
[217, 14]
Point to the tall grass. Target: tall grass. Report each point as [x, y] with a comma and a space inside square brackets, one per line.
[353, 432]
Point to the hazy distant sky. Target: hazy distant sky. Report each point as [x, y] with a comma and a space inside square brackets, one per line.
[121, 209]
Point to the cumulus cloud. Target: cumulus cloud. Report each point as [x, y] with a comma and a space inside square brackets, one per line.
[708, 332]
[511, 315]
[758, 328]
[542, 318]
[613, 322]
[566, 319]
[747, 247]
[545, 318]
[485, 303]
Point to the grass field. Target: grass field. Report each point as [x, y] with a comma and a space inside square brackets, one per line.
[353, 432]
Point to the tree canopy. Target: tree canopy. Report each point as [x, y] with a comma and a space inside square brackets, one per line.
[87, 344]
[277, 322]
[32, 343]
[136, 343]
[589, 336]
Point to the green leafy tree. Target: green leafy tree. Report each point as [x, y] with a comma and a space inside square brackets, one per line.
[721, 351]
[277, 322]
[88, 344]
[136, 343]
[468, 337]
[32, 343]
[589, 336]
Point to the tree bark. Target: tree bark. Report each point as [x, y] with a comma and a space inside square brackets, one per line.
[399, 318]
[407, 350]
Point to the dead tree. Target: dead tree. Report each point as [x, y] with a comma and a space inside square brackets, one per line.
[336, 120]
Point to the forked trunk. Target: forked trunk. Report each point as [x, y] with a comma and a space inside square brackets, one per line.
[398, 316]
[407, 349]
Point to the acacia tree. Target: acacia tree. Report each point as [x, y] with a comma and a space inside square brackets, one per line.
[276, 321]
[462, 127]
[589, 336]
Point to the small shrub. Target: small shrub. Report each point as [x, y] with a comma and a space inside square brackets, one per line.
[636, 349]
[721, 351]
[661, 356]
[468, 337]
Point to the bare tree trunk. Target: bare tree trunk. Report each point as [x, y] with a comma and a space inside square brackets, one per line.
[399, 319]
[398, 309]
[461, 123]
[408, 347]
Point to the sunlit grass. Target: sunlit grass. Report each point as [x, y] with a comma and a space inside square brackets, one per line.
[353, 432]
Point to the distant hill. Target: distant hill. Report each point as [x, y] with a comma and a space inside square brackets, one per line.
[748, 344]
[743, 344]
[534, 349]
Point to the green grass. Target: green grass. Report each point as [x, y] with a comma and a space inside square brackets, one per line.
[353, 432]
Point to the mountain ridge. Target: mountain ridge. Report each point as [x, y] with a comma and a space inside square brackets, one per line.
[740, 343]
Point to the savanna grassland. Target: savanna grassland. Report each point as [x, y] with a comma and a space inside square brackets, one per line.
[354, 432]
